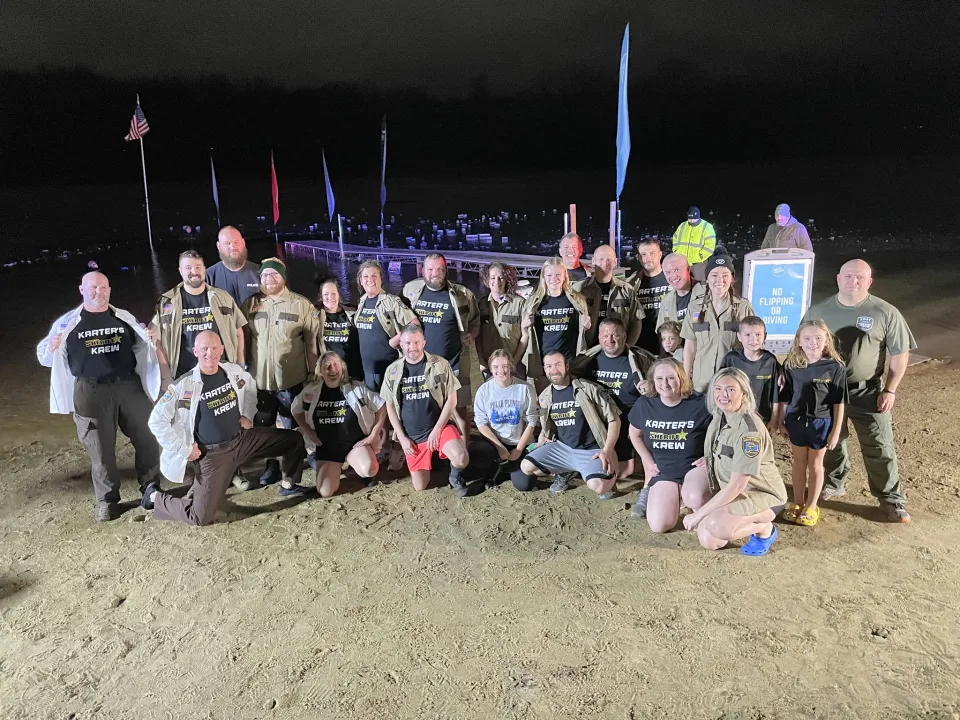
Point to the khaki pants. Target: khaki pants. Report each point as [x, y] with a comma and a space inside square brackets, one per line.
[99, 408]
[875, 433]
[215, 470]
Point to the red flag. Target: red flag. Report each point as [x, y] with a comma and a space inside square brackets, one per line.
[276, 191]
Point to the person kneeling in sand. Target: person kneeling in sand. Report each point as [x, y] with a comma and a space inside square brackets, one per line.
[580, 424]
[740, 462]
[420, 390]
[344, 419]
[206, 417]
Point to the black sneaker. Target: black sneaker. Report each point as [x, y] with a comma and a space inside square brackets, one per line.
[293, 491]
[145, 502]
[459, 486]
[271, 474]
[560, 484]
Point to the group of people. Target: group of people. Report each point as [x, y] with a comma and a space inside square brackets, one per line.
[585, 376]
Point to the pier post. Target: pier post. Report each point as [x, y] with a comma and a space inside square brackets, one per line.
[613, 224]
[573, 217]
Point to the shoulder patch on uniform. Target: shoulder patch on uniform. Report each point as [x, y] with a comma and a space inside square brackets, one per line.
[316, 313]
[307, 399]
[751, 445]
[168, 395]
[240, 383]
[187, 394]
[167, 308]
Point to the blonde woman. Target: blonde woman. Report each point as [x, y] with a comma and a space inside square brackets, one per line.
[712, 321]
[555, 319]
[814, 394]
[668, 426]
[740, 463]
[344, 419]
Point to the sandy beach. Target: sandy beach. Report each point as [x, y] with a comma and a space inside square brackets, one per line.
[386, 603]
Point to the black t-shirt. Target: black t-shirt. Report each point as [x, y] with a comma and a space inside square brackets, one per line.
[674, 435]
[241, 284]
[764, 375]
[334, 419]
[437, 312]
[683, 302]
[218, 414]
[616, 375]
[578, 273]
[375, 349]
[197, 317]
[650, 291]
[100, 346]
[572, 428]
[340, 336]
[814, 390]
[558, 324]
[604, 299]
[419, 412]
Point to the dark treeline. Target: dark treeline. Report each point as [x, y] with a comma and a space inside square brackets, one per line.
[66, 126]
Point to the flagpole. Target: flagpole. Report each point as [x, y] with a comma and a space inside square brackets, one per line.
[383, 176]
[340, 228]
[146, 193]
[216, 192]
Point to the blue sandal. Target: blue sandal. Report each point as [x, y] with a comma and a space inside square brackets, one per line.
[759, 546]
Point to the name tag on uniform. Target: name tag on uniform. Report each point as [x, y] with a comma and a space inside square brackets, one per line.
[260, 316]
[620, 303]
[731, 325]
[511, 319]
[701, 327]
[288, 316]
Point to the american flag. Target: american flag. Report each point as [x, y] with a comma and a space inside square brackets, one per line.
[138, 126]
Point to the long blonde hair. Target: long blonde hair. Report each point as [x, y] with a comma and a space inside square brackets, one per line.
[557, 260]
[344, 370]
[797, 358]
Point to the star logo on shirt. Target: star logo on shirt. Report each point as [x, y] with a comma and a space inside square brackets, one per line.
[116, 339]
[682, 435]
[231, 395]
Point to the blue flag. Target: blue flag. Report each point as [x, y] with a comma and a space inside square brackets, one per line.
[216, 195]
[331, 203]
[623, 117]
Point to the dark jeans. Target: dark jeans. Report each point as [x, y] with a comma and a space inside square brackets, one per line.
[485, 463]
[215, 469]
[274, 403]
[99, 408]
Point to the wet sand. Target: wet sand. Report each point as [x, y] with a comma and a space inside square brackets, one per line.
[384, 602]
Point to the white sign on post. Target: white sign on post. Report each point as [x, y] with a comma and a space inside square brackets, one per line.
[778, 283]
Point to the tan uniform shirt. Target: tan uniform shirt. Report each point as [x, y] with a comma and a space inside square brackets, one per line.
[499, 326]
[599, 409]
[282, 328]
[715, 336]
[439, 378]
[622, 304]
[740, 443]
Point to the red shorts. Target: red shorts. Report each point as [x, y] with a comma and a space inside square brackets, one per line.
[422, 458]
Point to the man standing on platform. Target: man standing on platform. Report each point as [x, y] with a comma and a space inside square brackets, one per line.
[786, 232]
[206, 419]
[186, 311]
[683, 289]
[284, 341]
[451, 320]
[871, 335]
[234, 273]
[695, 239]
[571, 249]
[105, 372]
[651, 286]
[610, 297]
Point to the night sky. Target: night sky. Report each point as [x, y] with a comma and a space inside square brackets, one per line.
[515, 45]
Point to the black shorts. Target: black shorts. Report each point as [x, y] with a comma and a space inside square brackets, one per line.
[808, 432]
[624, 448]
[333, 452]
[664, 478]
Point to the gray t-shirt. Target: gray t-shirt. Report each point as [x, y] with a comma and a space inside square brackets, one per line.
[241, 284]
[508, 411]
[865, 334]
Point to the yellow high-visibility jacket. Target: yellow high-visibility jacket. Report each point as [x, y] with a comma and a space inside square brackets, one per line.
[695, 242]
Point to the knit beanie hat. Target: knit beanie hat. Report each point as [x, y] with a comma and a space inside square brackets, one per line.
[276, 264]
[782, 209]
[720, 259]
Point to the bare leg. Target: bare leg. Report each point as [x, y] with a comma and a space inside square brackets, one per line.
[799, 473]
[723, 526]
[530, 469]
[328, 478]
[814, 476]
[663, 506]
[456, 452]
[363, 461]
[695, 490]
[626, 469]
[601, 485]
[421, 479]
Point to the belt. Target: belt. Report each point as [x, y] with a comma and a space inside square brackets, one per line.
[220, 446]
[106, 379]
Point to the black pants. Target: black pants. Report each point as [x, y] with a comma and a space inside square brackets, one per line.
[485, 463]
[99, 408]
[216, 468]
[274, 403]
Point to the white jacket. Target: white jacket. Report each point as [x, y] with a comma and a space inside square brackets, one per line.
[174, 417]
[62, 380]
[364, 402]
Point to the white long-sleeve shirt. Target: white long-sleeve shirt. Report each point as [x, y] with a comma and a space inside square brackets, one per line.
[174, 417]
[62, 380]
